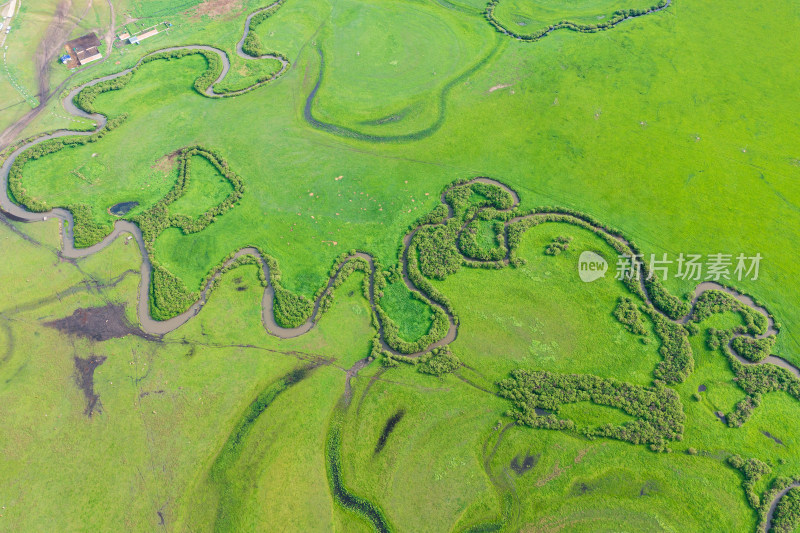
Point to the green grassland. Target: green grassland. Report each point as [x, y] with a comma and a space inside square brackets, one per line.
[678, 128]
[651, 124]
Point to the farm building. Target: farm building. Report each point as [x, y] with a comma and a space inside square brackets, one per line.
[136, 39]
[84, 49]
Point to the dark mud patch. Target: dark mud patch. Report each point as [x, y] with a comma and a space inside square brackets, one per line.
[542, 412]
[773, 437]
[122, 209]
[721, 416]
[650, 487]
[701, 388]
[98, 324]
[160, 518]
[148, 393]
[84, 377]
[582, 488]
[9, 351]
[388, 428]
[520, 464]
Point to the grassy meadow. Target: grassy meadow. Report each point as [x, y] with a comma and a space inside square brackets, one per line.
[678, 128]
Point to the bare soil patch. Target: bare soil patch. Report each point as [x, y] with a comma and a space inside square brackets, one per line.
[98, 324]
[217, 8]
[167, 163]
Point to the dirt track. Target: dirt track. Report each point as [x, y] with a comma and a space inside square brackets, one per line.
[50, 47]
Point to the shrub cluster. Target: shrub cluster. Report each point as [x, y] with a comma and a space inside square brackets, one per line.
[339, 274]
[391, 331]
[787, 513]
[755, 379]
[627, 312]
[753, 349]
[156, 219]
[676, 350]
[658, 410]
[742, 411]
[670, 305]
[85, 230]
[19, 193]
[438, 362]
[291, 310]
[169, 296]
[206, 79]
[497, 197]
[715, 301]
[559, 244]
[436, 216]
[438, 254]
[85, 98]
[753, 470]
[469, 246]
[252, 44]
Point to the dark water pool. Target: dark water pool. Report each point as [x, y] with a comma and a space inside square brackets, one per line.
[123, 208]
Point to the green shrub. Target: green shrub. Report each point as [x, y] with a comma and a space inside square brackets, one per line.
[753, 470]
[438, 362]
[787, 513]
[169, 296]
[291, 310]
[86, 231]
[252, 44]
[559, 244]
[627, 312]
[438, 255]
[678, 361]
[670, 305]
[658, 410]
[754, 350]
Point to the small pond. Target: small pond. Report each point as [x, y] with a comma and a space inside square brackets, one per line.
[122, 209]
